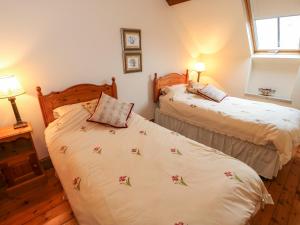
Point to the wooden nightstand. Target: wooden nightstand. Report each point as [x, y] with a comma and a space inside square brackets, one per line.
[18, 160]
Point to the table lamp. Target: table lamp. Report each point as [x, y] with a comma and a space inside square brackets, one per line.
[199, 68]
[10, 88]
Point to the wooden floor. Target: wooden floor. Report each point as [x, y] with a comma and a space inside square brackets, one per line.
[40, 203]
[285, 191]
[45, 202]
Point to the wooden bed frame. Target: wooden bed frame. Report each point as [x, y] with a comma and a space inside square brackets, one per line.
[72, 95]
[167, 80]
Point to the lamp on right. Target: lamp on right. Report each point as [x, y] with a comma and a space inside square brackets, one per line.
[199, 67]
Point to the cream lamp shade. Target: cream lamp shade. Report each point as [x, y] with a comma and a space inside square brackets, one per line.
[199, 67]
[10, 87]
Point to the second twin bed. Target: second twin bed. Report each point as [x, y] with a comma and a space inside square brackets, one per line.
[263, 135]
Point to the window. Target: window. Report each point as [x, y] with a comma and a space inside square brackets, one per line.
[278, 33]
[289, 32]
[267, 33]
[272, 33]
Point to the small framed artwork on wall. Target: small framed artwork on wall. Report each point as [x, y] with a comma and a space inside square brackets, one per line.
[132, 62]
[131, 39]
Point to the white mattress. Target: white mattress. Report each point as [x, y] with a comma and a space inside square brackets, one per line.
[256, 122]
[212, 188]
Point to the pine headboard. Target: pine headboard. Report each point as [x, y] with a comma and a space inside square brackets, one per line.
[72, 95]
[167, 80]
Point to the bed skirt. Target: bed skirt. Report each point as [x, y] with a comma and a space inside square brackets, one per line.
[263, 159]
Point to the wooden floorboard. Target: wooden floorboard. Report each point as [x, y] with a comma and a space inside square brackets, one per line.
[285, 191]
[43, 204]
[46, 203]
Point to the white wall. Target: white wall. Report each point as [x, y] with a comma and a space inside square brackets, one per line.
[265, 71]
[58, 43]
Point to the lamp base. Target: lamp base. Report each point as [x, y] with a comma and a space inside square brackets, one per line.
[20, 125]
[198, 78]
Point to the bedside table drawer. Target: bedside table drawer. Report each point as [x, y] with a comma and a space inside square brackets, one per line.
[19, 164]
[16, 147]
[21, 169]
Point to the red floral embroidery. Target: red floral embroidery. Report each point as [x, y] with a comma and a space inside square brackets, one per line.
[76, 183]
[112, 131]
[228, 174]
[83, 128]
[232, 175]
[143, 132]
[98, 149]
[63, 149]
[124, 180]
[135, 151]
[175, 178]
[175, 151]
[178, 180]
[179, 223]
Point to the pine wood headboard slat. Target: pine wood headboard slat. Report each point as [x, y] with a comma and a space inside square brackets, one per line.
[72, 95]
[167, 80]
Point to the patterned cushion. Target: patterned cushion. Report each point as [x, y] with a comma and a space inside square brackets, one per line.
[90, 106]
[112, 112]
[212, 93]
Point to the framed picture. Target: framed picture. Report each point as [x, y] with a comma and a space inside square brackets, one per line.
[132, 62]
[131, 39]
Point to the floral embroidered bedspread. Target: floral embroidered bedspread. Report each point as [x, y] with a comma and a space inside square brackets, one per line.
[257, 122]
[146, 175]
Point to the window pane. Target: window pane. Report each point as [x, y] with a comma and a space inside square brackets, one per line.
[290, 32]
[267, 33]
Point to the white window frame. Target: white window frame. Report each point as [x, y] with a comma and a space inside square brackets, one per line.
[254, 33]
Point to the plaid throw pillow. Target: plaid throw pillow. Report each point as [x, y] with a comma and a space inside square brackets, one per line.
[112, 112]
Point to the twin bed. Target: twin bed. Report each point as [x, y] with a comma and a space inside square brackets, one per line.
[144, 174]
[262, 135]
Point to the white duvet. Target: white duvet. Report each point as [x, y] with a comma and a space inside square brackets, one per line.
[148, 175]
[257, 122]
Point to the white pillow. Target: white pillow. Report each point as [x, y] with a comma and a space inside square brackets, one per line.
[111, 111]
[212, 93]
[178, 88]
[62, 110]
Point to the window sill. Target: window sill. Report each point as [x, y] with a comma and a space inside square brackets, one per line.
[286, 100]
[275, 56]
